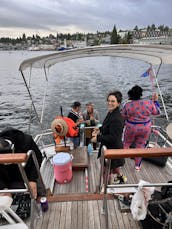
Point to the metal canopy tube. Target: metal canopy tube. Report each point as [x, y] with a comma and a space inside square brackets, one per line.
[148, 53]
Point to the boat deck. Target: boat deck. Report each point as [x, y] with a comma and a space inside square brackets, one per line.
[71, 207]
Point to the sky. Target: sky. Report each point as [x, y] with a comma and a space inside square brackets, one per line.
[44, 17]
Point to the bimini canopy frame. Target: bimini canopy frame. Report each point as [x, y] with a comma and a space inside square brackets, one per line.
[152, 54]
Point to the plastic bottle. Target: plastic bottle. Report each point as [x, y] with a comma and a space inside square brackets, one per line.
[90, 149]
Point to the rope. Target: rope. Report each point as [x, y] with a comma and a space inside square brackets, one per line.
[155, 218]
[159, 202]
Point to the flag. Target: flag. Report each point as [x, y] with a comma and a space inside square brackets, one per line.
[147, 73]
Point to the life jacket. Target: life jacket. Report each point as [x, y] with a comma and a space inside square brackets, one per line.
[57, 138]
[73, 130]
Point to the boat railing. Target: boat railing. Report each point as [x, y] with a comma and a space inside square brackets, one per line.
[47, 136]
[21, 160]
[160, 137]
[109, 154]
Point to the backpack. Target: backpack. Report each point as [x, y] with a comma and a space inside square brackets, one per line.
[22, 205]
[166, 191]
[158, 213]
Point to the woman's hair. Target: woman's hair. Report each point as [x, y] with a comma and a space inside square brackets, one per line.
[117, 94]
[135, 93]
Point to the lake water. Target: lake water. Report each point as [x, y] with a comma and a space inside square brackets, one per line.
[84, 80]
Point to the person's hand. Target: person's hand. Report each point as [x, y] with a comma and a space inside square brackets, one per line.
[87, 122]
[94, 139]
[80, 121]
[96, 131]
[155, 97]
[33, 186]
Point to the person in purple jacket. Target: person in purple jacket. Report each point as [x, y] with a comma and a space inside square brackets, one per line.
[137, 114]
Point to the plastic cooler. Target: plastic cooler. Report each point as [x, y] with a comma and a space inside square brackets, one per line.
[62, 163]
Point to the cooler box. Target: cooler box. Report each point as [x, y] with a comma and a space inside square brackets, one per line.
[62, 163]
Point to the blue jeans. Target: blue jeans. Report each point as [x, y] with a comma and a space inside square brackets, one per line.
[76, 141]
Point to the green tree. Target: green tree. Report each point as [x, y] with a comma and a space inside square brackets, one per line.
[136, 28]
[24, 37]
[38, 37]
[68, 36]
[161, 28]
[148, 28]
[153, 27]
[114, 36]
[166, 28]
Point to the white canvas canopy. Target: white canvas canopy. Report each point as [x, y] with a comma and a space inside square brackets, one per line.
[155, 55]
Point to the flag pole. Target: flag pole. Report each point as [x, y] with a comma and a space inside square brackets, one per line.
[160, 93]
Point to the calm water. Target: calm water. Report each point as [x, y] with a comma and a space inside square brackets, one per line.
[86, 79]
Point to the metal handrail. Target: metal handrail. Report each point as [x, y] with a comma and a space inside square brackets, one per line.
[107, 171]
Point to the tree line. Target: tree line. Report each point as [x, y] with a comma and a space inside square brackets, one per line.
[114, 36]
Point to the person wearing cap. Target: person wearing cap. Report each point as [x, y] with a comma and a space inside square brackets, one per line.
[76, 115]
[14, 140]
[91, 118]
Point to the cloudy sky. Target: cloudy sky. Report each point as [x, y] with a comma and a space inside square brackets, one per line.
[43, 17]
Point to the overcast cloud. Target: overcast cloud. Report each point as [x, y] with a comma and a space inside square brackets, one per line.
[69, 16]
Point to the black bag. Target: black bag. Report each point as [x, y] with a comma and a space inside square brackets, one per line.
[161, 161]
[157, 213]
[166, 191]
[23, 205]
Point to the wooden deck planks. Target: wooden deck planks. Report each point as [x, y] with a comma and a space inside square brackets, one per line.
[74, 213]
[119, 224]
[80, 215]
[101, 215]
[63, 215]
[88, 213]
[68, 215]
[112, 216]
[96, 215]
[85, 215]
